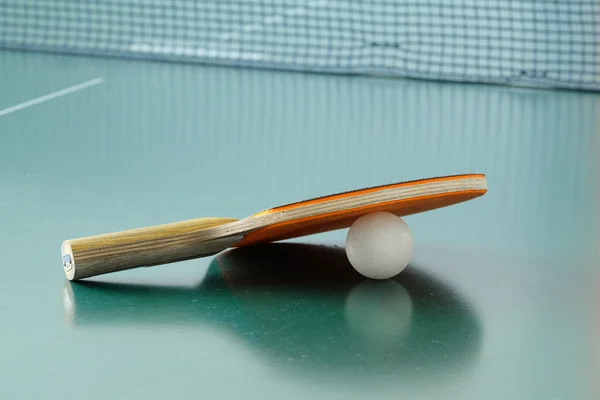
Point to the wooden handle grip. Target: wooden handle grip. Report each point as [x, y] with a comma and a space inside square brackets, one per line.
[95, 255]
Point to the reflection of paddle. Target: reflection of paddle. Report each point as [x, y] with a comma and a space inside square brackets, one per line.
[304, 308]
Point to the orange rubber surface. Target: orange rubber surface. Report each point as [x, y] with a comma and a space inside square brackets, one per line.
[344, 218]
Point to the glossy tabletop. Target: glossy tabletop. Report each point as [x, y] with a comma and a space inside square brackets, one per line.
[500, 301]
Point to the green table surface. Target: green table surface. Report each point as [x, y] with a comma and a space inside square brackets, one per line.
[500, 301]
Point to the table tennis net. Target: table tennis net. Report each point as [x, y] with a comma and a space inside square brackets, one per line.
[554, 43]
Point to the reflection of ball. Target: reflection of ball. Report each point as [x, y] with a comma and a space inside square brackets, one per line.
[381, 311]
[379, 245]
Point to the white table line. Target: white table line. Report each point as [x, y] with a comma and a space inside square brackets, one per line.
[51, 96]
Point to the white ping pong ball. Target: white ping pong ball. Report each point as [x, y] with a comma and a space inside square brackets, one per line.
[379, 245]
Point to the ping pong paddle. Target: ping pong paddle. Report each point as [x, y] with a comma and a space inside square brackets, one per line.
[161, 244]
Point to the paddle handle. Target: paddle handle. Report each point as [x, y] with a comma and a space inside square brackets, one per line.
[95, 255]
